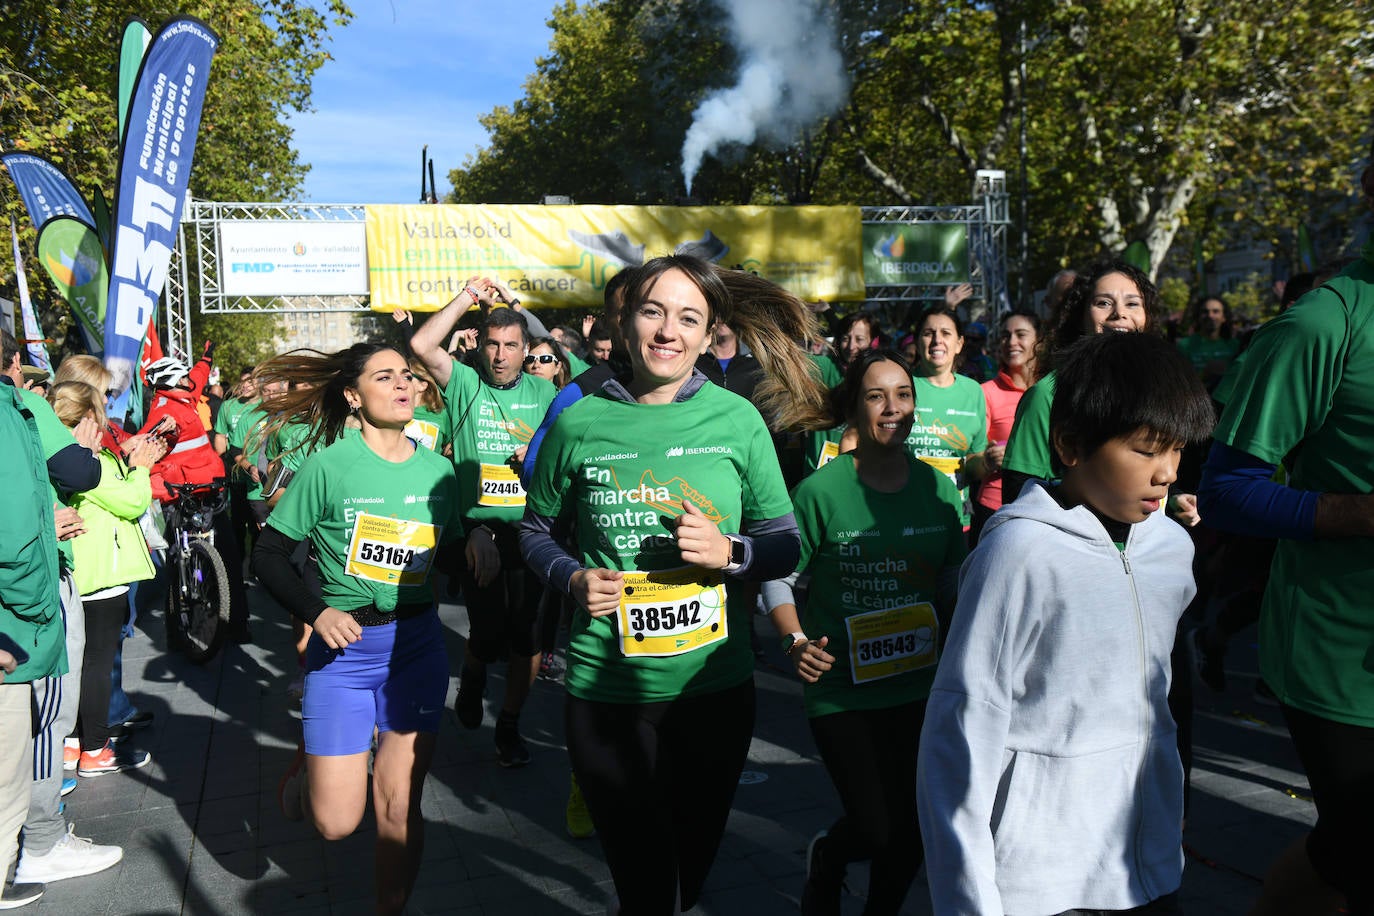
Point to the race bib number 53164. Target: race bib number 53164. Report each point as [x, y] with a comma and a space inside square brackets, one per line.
[391, 550]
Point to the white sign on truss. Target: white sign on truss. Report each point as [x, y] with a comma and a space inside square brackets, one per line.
[293, 258]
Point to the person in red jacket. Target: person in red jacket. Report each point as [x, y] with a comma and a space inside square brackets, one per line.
[191, 458]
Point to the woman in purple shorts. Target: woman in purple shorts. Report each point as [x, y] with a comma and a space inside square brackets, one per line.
[377, 509]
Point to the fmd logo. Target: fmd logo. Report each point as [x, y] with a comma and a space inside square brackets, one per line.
[252, 267]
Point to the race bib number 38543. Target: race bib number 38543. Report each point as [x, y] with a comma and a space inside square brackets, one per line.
[672, 612]
[891, 642]
[392, 551]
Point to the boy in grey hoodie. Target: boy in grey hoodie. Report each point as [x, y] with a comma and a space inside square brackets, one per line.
[1048, 777]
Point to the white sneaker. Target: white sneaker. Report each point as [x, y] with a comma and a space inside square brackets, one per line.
[71, 857]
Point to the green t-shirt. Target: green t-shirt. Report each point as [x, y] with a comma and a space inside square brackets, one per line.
[951, 423]
[1308, 381]
[487, 425]
[822, 446]
[1028, 446]
[288, 444]
[429, 428]
[1203, 352]
[246, 435]
[576, 364]
[228, 417]
[875, 560]
[623, 469]
[55, 437]
[375, 523]
[829, 370]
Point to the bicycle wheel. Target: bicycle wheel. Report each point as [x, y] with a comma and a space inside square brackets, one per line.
[200, 602]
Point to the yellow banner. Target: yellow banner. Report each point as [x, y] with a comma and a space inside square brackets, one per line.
[419, 256]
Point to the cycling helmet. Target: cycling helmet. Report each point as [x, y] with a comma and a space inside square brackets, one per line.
[166, 372]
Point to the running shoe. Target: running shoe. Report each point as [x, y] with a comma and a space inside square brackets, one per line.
[112, 758]
[576, 816]
[71, 753]
[468, 704]
[68, 785]
[13, 896]
[292, 786]
[71, 857]
[549, 669]
[511, 749]
[824, 883]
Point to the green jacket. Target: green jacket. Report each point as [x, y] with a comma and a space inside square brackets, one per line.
[113, 551]
[30, 605]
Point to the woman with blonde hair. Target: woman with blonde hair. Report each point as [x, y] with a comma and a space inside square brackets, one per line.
[107, 558]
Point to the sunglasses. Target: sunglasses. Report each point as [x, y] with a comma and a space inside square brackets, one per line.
[542, 358]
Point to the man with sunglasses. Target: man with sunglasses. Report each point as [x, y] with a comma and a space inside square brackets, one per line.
[493, 411]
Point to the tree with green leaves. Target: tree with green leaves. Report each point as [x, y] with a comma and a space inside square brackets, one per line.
[58, 99]
[1145, 121]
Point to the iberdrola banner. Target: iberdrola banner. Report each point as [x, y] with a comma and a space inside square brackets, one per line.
[71, 253]
[420, 256]
[154, 171]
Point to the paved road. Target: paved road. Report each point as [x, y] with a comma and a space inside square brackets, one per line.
[202, 833]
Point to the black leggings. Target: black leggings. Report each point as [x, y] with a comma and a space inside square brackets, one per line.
[659, 779]
[104, 622]
[870, 755]
[1339, 762]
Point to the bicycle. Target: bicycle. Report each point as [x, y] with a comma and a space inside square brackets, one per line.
[198, 592]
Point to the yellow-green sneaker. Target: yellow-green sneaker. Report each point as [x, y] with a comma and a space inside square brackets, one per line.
[579, 819]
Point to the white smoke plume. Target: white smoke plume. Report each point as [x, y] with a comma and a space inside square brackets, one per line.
[791, 73]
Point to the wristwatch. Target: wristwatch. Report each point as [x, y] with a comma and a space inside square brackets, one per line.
[790, 641]
[736, 560]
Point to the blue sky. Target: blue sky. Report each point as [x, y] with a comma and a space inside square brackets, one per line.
[406, 73]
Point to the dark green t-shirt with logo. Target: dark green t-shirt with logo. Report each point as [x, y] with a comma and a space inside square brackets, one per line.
[622, 469]
[375, 523]
[951, 423]
[487, 425]
[1308, 384]
[875, 560]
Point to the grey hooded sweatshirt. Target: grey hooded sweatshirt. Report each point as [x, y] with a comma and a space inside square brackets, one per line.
[1048, 777]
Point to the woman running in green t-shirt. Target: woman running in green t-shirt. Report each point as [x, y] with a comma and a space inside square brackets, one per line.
[672, 488]
[882, 542]
[377, 507]
[951, 427]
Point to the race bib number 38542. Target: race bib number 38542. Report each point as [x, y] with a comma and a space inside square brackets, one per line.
[392, 551]
[671, 612]
[891, 642]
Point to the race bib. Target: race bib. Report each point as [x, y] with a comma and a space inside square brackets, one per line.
[671, 612]
[392, 551]
[891, 642]
[498, 485]
[947, 466]
[829, 452]
[424, 432]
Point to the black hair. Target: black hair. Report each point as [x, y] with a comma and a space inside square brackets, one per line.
[1112, 385]
[1073, 308]
[599, 332]
[564, 373]
[1297, 286]
[9, 349]
[844, 398]
[939, 308]
[617, 281]
[504, 318]
[1195, 315]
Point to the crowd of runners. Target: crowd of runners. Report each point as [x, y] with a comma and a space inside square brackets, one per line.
[996, 571]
